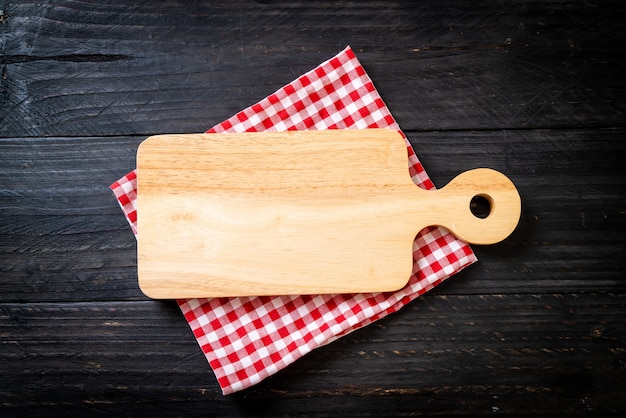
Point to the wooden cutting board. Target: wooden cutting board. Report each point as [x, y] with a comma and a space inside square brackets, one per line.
[307, 212]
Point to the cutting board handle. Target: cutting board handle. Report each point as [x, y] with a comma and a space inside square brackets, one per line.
[451, 206]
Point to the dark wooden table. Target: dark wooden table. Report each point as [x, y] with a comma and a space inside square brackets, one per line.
[536, 89]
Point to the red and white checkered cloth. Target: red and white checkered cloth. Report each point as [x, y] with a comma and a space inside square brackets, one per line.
[247, 339]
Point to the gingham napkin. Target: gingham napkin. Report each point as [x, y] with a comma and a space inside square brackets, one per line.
[247, 339]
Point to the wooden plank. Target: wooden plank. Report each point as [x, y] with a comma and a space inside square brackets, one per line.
[573, 186]
[565, 351]
[63, 236]
[164, 67]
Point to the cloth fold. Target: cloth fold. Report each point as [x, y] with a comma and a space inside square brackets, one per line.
[247, 339]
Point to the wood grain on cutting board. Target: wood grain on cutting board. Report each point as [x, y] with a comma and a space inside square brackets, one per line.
[306, 212]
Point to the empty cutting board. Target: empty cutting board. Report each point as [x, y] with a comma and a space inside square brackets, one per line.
[306, 212]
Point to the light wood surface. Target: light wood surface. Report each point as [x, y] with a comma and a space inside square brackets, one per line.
[296, 213]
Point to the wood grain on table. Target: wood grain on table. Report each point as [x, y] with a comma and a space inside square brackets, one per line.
[533, 89]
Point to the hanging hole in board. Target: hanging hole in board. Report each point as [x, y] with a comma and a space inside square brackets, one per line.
[481, 206]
